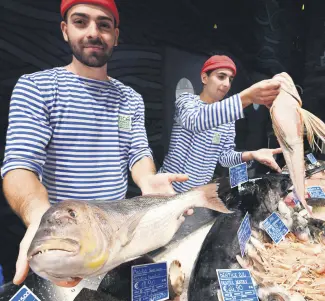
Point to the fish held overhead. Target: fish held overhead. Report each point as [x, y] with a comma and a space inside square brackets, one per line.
[288, 120]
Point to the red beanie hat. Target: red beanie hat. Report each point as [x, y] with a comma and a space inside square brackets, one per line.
[219, 61]
[109, 4]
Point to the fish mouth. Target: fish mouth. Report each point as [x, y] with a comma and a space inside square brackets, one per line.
[67, 246]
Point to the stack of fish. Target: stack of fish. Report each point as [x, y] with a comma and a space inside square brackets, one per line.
[294, 269]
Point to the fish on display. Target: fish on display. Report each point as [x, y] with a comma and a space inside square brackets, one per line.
[220, 247]
[316, 171]
[277, 270]
[288, 121]
[78, 239]
[114, 286]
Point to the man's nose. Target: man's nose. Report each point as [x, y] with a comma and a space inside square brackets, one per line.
[92, 30]
[226, 82]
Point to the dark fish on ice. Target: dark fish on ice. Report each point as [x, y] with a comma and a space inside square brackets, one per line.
[268, 263]
[259, 197]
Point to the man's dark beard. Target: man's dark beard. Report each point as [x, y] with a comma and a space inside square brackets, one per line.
[94, 59]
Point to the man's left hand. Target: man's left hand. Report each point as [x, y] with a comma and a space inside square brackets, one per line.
[265, 156]
[161, 183]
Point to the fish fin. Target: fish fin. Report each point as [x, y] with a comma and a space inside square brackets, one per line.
[279, 133]
[313, 126]
[211, 198]
[127, 230]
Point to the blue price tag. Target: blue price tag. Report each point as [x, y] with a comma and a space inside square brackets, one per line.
[238, 174]
[275, 227]
[316, 192]
[24, 294]
[311, 158]
[149, 282]
[236, 285]
[244, 234]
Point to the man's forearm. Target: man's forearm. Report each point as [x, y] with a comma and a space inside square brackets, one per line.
[246, 98]
[25, 195]
[141, 170]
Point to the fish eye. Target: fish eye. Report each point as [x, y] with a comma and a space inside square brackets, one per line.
[72, 213]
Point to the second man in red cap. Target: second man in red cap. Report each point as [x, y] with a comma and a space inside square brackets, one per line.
[203, 133]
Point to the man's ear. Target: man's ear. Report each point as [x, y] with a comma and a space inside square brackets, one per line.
[117, 34]
[64, 30]
[204, 78]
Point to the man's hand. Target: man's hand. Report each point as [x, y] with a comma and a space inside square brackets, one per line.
[22, 266]
[262, 93]
[161, 183]
[264, 156]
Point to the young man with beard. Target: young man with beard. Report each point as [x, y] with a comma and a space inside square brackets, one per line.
[74, 131]
[203, 133]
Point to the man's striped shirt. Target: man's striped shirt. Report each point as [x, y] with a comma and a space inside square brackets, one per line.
[78, 135]
[202, 135]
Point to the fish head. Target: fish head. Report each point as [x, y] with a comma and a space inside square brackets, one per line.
[318, 207]
[275, 293]
[69, 242]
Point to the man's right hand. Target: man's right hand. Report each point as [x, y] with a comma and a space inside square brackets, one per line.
[22, 266]
[262, 93]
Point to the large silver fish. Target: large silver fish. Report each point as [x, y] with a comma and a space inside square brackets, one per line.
[79, 239]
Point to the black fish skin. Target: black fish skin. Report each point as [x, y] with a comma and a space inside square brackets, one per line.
[220, 246]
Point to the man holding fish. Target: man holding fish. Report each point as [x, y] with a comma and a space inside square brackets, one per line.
[204, 128]
[74, 132]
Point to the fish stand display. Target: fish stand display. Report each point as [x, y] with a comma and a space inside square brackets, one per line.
[292, 268]
[208, 241]
[280, 253]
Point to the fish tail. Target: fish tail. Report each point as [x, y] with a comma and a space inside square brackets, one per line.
[211, 199]
[313, 126]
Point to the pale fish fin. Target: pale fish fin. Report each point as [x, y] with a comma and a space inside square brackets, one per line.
[313, 126]
[210, 198]
[279, 133]
[128, 229]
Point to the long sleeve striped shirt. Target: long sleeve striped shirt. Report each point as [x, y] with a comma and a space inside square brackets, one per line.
[80, 136]
[202, 135]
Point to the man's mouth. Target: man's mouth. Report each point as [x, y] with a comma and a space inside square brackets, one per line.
[93, 47]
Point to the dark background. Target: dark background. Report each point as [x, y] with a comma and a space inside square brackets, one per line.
[162, 42]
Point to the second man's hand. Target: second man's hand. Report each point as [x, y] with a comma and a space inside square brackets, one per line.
[262, 93]
[264, 156]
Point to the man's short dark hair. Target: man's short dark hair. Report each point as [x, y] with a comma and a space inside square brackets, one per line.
[209, 72]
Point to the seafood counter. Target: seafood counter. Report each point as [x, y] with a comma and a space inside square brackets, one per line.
[293, 269]
[270, 230]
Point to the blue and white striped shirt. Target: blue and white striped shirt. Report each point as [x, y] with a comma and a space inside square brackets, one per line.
[202, 135]
[79, 135]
